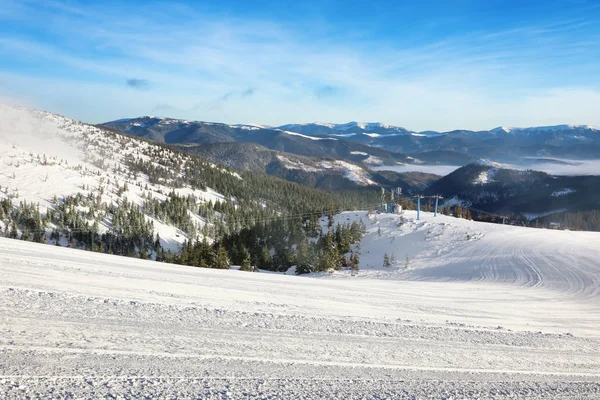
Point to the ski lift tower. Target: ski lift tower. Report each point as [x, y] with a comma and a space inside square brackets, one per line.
[383, 205]
[419, 197]
[437, 197]
[398, 205]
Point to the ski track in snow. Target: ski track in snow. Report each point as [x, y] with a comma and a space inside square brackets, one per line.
[445, 249]
[504, 312]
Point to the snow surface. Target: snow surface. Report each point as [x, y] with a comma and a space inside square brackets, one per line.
[307, 137]
[370, 159]
[482, 311]
[486, 176]
[373, 160]
[296, 164]
[563, 192]
[250, 127]
[350, 171]
[373, 135]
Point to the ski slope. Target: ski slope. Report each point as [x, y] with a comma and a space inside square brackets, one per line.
[445, 248]
[504, 312]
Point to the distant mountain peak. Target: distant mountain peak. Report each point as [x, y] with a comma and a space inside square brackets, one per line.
[488, 163]
[550, 128]
[502, 129]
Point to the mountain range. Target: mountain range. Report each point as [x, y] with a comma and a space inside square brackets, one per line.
[380, 143]
[342, 156]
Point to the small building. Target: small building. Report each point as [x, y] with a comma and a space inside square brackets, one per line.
[554, 225]
[391, 208]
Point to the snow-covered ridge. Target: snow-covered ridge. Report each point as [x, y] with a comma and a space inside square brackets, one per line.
[363, 126]
[250, 126]
[488, 163]
[376, 129]
[540, 129]
[47, 156]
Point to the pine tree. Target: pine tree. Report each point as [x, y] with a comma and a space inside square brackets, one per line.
[265, 258]
[14, 233]
[468, 214]
[303, 265]
[207, 255]
[386, 260]
[246, 264]
[458, 212]
[222, 259]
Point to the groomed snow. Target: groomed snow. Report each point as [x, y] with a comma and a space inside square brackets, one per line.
[483, 311]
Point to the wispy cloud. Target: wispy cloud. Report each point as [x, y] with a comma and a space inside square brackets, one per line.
[248, 92]
[210, 65]
[137, 83]
[323, 92]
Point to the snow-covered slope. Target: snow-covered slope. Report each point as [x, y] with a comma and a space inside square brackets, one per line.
[445, 248]
[479, 317]
[47, 157]
[347, 170]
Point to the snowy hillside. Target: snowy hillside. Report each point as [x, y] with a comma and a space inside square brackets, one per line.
[46, 158]
[445, 248]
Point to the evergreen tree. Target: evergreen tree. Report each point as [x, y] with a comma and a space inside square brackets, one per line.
[303, 264]
[222, 259]
[265, 261]
[206, 257]
[386, 260]
[458, 212]
[246, 264]
[467, 214]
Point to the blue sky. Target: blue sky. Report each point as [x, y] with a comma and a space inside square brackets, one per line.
[423, 65]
